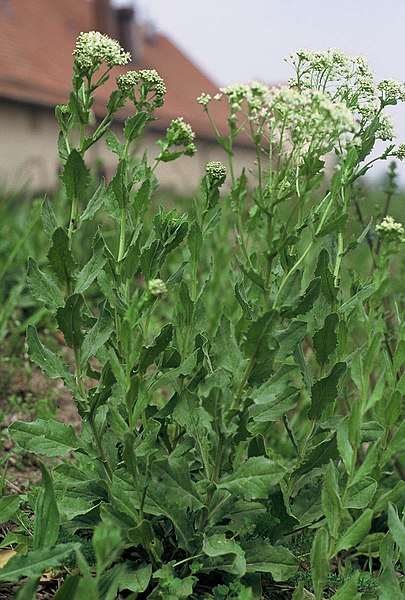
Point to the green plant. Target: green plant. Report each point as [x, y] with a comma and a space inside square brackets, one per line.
[209, 440]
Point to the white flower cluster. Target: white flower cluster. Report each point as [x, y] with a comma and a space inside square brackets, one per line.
[157, 287]
[400, 152]
[392, 90]
[389, 230]
[180, 133]
[94, 48]
[204, 99]
[386, 130]
[251, 96]
[148, 77]
[216, 171]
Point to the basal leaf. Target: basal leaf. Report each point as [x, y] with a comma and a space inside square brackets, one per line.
[50, 362]
[46, 524]
[320, 561]
[360, 494]
[254, 478]
[36, 562]
[230, 554]
[356, 532]
[8, 506]
[262, 557]
[44, 437]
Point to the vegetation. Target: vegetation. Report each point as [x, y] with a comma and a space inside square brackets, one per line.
[238, 368]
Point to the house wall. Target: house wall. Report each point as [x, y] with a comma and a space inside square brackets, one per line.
[29, 159]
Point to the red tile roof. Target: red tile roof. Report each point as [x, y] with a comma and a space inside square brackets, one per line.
[36, 43]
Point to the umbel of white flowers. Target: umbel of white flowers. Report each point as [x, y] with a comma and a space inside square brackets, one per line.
[94, 48]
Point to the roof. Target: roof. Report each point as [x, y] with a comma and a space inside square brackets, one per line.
[36, 44]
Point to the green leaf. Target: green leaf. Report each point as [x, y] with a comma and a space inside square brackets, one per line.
[44, 437]
[325, 340]
[397, 529]
[320, 561]
[107, 544]
[46, 524]
[218, 546]
[8, 506]
[91, 270]
[43, 287]
[226, 348]
[173, 474]
[348, 591]
[98, 335]
[360, 494]
[36, 562]
[68, 589]
[318, 456]
[49, 220]
[134, 125]
[289, 339]
[307, 300]
[262, 557]
[135, 580]
[328, 288]
[113, 143]
[50, 362]
[28, 591]
[356, 532]
[389, 584]
[70, 320]
[324, 391]
[61, 259]
[254, 478]
[94, 204]
[159, 345]
[76, 176]
[189, 414]
[393, 495]
[331, 498]
[336, 222]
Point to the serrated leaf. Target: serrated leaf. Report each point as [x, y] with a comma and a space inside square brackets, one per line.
[36, 562]
[44, 437]
[49, 362]
[360, 494]
[8, 506]
[254, 478]
[75, 176]
[324, 391]
[356, 532]
[60, 258]
[307, 300]
[113, 143]
[92, 269]
[159, 345]
[325, 340]
[134, 125]
[69, 319]
[94, 204]
[262, 557]
[46, 524]
[97, 336]
[49, 220]
[43, 287]
[318, 456]
[320, 561]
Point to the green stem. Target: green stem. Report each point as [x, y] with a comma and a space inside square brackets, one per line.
[72, 222]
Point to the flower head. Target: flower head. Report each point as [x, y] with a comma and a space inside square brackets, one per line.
[400, 152]
[93, 48]
[204, 99]
[216, 172]
[390, 231]
[157, 287]
[392, 90]
[180, 133]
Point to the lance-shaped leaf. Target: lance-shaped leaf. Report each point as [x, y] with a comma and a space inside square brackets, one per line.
[43, 287]
[254, 478]
[75, 176]
[8, 506]
[159, 345]
[94, 204]
[289, 339]
[91, 270]
[50, 362]
[227, 555]
[324, 391]
[46, 525]
[325, 340]
[98, 335]
[173, 474]
[318, 456]
[319, 561]
[44, 437]
[49, 219]
[360, 494]
[60, 258]
[262, 557]
[69, 319]
[331, 504]
[36, 562]
[134, 125]
[356, 532]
